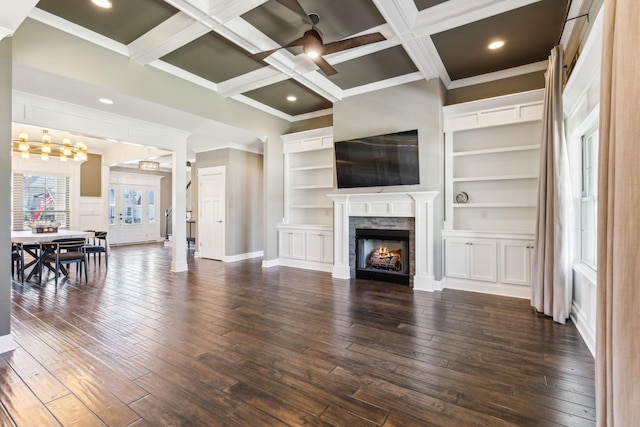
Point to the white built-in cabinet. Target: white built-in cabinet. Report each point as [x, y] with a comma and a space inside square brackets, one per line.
[305, 236]
[473, 259]
[492, 150]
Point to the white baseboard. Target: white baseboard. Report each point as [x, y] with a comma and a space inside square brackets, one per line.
[179, 266]
[424, 283]
[240, 257]
[270, 263]
[578, 318]
[341, 272]
[307, 265]
[7, 343]
[502, 289]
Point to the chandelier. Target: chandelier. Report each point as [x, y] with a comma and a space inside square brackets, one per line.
[46, 148]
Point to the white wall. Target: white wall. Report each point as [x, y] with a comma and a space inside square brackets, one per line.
[581, 99]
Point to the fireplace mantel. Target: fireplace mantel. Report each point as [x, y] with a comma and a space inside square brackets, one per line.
[418, 205]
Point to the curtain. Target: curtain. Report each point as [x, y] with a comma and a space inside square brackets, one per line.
[551, 265]
[618, 306]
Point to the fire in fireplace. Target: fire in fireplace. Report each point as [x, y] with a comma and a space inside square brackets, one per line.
[382, 255]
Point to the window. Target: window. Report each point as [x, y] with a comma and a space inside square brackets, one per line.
[39, 198]
[589, 200]
[152, 207]
[112, 206]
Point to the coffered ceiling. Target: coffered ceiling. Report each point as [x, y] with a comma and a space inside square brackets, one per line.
[209, 42]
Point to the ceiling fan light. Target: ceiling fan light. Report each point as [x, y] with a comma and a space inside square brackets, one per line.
[105, 4]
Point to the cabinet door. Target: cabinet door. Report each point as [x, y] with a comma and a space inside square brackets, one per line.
[515, 259]
[320, 246]
[292, 244]
[482, 260]
[455, 258]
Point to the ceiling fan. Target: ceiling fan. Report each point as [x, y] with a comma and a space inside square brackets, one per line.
[312, 43]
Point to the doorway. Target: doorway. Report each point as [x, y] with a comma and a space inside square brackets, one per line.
[134, 208]
[211, 228]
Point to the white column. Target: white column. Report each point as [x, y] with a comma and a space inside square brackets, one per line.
[179, 208]
[424, 279]
[341, 268]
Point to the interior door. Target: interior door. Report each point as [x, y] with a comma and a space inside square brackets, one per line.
[211, 231]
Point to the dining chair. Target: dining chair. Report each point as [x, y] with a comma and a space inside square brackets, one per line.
[98, 246]
[17, 261]
[59, 253]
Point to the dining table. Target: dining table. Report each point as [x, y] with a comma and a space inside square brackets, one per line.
[31, 243]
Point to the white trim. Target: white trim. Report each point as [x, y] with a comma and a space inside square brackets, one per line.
[270, 263]
[383, 84]
[240, 257]
[507, 290]
[7, 343]
[418, 205]
[307, 265]
[580, 320]
[499, 75]
[214, 170]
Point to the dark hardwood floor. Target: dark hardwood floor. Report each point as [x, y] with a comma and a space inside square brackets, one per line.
[235, 344]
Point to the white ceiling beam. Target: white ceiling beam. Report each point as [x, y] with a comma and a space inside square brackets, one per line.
[462, 12]
[383, 84]
[401, 16]
[13, 14]
[78, 31]
[170, 35]
[264, 76]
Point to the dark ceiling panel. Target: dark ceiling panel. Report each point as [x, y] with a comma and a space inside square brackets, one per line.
[464, 52]
[338, 19]
[212, 57]
[426, 4]
[117, 23]
[275, 97]
[385, 64]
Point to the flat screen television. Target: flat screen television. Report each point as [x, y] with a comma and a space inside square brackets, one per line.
[377, 161]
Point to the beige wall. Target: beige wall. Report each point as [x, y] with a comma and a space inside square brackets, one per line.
[91, 176]
[244, 207]
[523, 83]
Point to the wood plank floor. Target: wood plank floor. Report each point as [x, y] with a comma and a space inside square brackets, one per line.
[235, 344]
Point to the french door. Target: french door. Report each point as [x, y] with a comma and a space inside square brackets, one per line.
[134, 212]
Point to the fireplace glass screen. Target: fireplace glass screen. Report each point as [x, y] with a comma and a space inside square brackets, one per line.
[382, 255]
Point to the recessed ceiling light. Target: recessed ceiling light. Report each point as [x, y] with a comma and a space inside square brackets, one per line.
[106, 101]
[292, 98]
[496, 44]
[105, 4]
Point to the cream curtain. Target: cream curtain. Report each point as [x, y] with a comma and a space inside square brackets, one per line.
[618, 308]
[551, 267]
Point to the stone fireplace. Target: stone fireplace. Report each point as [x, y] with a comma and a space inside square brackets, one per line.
[410, 211]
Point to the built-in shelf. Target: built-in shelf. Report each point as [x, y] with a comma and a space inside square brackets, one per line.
[495, 178]
[497, 150]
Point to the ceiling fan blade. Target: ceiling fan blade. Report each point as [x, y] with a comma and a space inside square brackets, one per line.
[351, 43]
[262, 55]
[324, 66]
[294, 6]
